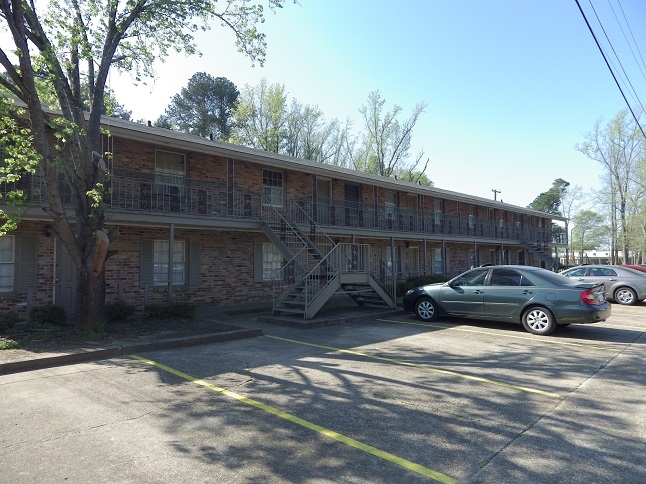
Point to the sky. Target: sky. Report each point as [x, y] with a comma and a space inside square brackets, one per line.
[511, 86]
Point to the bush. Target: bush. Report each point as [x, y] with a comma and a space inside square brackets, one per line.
[118, 310]
[175, 310]
[48, 314]
[412, 282]
[8, 320]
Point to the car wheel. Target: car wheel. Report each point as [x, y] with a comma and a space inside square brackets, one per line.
[426, 310]
[538, 320]
[625, 295]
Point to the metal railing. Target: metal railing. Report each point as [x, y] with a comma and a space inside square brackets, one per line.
[154, 193]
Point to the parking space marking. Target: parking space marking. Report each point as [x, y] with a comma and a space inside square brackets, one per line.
[424, 367]
[619, 326]
[411, 466]
[504, 335]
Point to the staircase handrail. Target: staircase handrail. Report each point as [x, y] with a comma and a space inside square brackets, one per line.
[267, 204]
[320, 230]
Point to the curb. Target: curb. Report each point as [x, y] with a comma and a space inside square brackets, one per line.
[126, 349]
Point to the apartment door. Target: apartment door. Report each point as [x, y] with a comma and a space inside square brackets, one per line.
[323, 200]
[65, 280]
[352, 205]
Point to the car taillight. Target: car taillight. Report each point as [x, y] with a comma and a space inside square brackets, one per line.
[587, 297]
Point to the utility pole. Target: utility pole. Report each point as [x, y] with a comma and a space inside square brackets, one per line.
[495, 193]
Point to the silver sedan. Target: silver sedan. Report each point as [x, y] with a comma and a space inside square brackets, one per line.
[622, 284]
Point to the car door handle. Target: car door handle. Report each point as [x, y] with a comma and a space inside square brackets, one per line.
[526, 291]
[613, 279]
[478, 291]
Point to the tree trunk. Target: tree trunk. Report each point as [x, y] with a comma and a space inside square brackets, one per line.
[90, 302]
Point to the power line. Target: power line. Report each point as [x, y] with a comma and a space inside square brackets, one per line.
[610, 68]
[612, 48]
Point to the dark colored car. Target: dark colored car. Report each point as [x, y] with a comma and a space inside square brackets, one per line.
[623, 284]
[538, 299]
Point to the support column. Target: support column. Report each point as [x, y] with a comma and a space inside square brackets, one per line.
[171, 250]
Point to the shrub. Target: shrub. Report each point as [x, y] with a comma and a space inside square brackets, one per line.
[175, 310]
[48, 314]
[8, 320]
[412, 282]
[118, 310]
[9, 345]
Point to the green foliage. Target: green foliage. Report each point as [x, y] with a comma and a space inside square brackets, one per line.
[174, 310]
[203, 107]
[48, 314]
[119, 310]
[8, 319]
[550, 201]
[412, 282]
[387, 142]
[18, 158]
[261, 117]
[589, 231]
[9, 345]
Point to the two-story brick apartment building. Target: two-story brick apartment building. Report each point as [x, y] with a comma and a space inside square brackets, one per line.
[236, 225]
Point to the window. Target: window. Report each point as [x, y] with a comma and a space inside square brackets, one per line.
[272, 261]
[476, 277]
[160, 262]
[272, 188]
[390, 205]
[438, 265]
[170, 172]
[504, 277]
[7, 263]
[437, 211]
[472, 217]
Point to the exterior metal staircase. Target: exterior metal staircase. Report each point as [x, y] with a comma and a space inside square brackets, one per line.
[544, 256]
[317, 268]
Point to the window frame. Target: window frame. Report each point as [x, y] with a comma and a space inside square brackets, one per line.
[165, 178]
[4, 288]
[273, 188]
[163, 261]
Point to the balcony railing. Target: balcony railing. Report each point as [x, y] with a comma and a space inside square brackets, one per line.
[155, 193]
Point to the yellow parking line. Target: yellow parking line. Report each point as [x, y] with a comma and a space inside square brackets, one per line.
[620, 326]
[411, 466]
[425, 367]
[505, 335]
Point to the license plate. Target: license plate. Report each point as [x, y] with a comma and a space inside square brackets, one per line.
[601, 296]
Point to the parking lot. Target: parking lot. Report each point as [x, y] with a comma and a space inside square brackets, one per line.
[386, 400]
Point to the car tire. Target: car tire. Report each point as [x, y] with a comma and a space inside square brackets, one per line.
[426, 309]
[625, 296]
[539, 320]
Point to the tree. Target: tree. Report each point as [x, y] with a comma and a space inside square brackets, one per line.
[589, 232]
[550, 201]
[387, 142]
[203, 107]
[260, 117]
[74, 44]
[18, 158]
[619, 148]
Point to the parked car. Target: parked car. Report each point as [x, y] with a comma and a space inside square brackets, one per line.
[623, 284]
[538, 299]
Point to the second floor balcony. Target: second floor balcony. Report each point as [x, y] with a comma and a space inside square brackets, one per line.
[133, 191]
